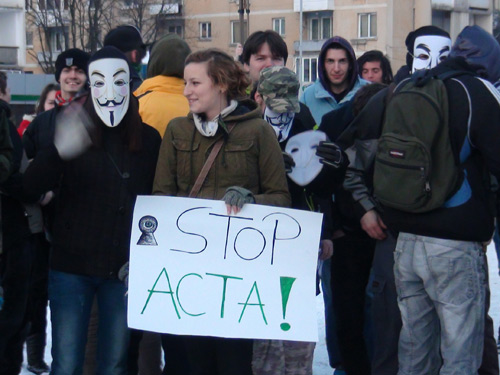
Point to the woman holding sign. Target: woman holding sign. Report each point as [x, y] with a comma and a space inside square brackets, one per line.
[222, 150]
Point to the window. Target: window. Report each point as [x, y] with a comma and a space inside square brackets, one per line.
[310, 71]
[176, 29]
[56, 39]
[367, 25]
[29, 39]
[320, 28]
[235, 31]
[441, 19]
[51, 4]
[205, 30]
[279, 25]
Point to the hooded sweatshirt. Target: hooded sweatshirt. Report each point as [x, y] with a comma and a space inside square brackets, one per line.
[319, 97]
[161, 96]
[480, 50]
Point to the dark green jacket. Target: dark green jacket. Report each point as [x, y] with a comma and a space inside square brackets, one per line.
[250, 158]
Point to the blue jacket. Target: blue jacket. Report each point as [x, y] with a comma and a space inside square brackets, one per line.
[319, 97]
[320, 101]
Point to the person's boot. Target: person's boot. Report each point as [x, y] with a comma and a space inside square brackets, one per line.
[35, 349]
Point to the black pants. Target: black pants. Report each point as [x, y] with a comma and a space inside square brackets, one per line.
[219, 356]
[176, 357]
[37, 304]
[15, 273]
[351, 263]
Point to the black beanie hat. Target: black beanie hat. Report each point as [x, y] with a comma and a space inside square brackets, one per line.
[107, 52]
[424, 30]
[71, 57]
[126, 38]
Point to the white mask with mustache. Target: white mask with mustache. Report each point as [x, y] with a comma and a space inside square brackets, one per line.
[110, 89]
[430, 50]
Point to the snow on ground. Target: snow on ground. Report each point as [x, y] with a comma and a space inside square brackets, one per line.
[321, 366]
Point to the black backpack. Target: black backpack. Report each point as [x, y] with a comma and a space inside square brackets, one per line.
[415, 168]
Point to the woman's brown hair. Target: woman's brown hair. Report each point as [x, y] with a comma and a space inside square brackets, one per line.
[223, 71]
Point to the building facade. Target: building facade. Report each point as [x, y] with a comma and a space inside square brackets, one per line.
[367, 24]
[12, 29]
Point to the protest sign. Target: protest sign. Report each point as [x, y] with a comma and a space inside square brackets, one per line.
[195, 270]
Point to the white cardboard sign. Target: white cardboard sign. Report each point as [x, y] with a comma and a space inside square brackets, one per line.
[194, 270]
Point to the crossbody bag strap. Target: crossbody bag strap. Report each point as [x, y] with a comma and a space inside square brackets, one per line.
[208, 164]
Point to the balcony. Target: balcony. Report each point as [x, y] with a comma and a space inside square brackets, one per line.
[461, 6]
[313, 5]
[166, 9]
[443, 4]
[8, 56]
[43, 58]
[479, 4]
[309, 45]
[11, 4]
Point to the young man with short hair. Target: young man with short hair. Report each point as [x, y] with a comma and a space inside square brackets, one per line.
[71, 73]
[263, 49]
[337, 81]
[375, 67]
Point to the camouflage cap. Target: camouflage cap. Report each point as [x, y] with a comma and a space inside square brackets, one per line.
[279, 87]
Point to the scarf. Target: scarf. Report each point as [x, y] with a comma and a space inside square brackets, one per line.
[209, 128]
[60, 101]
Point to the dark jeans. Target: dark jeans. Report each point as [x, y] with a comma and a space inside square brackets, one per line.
[71, 298]
[219, 356]
[15, 272]
[351, 263]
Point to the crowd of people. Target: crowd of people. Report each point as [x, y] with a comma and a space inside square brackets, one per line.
[405, 285]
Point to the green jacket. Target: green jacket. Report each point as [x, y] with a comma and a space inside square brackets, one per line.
[251, 158]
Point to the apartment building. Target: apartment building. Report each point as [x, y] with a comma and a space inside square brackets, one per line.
[12, 29]
[367, 24]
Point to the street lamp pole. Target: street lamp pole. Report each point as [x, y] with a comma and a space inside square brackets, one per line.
[241, 11]
[301, 68]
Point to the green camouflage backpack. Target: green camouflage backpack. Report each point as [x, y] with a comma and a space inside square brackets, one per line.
[415, 168]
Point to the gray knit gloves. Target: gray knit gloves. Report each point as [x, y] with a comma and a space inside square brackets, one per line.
[236, 197]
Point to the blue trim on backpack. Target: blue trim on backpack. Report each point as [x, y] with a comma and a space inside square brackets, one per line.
[465, 151]
[465, 192]
[461, 196]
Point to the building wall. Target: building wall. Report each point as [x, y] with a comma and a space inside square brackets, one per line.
[12, 29]
[395, 19]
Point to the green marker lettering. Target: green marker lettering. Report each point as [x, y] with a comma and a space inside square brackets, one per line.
[260, 304]
[151, 291]
[177, 293]
[224, 284]
[286, 286]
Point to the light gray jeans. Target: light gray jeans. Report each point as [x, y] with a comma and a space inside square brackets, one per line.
[441, 291]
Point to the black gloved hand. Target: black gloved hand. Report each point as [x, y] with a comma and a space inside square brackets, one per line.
[331, 155]
[289, 162]
[236, 197]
